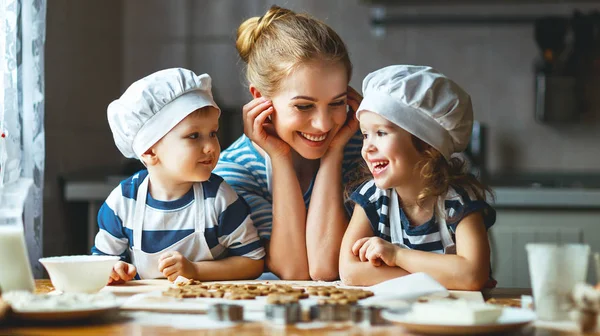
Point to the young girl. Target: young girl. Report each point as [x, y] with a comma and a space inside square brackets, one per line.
[419, 211]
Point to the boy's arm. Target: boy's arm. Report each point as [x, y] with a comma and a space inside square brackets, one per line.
[230, 268]
[110, 239]
[353, 271]
[235, 232]
[467, 270]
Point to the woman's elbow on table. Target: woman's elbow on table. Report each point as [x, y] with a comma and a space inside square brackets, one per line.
[287, 272]
[324, 272]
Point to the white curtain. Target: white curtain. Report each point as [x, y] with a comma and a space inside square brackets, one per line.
[22, 146]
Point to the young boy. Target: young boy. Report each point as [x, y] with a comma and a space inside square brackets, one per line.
[176, 218]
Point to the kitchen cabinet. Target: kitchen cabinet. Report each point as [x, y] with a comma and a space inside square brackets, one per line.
[516, 227]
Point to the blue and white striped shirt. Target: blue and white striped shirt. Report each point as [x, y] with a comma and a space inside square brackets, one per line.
[229, 230]
[425, 237]
[244, 168]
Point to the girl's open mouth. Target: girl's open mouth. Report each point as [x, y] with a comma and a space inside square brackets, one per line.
[379, 166]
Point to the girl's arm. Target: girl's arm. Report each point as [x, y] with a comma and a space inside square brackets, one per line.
[469, 269]
[359, 273]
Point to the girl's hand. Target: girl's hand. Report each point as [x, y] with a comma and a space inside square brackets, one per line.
[376, 251]
[173, 264]
[351, 125]
[121, 273]
[259, 128]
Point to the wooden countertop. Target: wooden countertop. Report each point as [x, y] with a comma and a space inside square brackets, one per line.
[121, 326]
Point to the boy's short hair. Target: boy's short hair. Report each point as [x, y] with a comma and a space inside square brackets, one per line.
[422, 101]
[153, 105]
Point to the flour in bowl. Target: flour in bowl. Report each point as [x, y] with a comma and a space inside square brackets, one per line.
[22, 301]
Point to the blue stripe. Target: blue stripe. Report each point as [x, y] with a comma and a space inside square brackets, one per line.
[211, 187]
[433, 246]
[237, 250]
[177, 204]
[383, 236]
[233, 217]
[124, 256]
[110, 222]
[155, 241]
[210, 234]
[129, 187]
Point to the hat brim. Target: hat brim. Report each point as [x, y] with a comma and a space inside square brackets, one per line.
[417, 123]
[168, 117]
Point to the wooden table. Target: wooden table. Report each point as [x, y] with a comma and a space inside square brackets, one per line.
[116, 326]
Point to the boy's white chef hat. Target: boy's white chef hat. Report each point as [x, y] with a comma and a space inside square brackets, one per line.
[155, 104]
[422, 101]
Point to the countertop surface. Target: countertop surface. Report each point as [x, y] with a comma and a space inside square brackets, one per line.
[570, 191]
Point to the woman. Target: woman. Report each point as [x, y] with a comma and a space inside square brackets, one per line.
[300, 141]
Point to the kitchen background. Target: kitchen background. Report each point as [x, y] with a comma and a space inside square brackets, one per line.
[96, 48]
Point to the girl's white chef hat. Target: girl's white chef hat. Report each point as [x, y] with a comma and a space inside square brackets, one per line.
[155, 104]
[422, 101]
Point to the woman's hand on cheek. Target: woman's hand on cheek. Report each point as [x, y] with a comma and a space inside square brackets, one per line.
[350, 127]
[258, 127]
[354, 99]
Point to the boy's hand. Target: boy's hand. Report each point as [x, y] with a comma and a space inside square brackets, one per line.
[121, 273]
[173, 264]
[376, 251]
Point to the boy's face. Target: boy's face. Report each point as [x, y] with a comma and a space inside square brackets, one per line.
[388, 151]
[190, 151]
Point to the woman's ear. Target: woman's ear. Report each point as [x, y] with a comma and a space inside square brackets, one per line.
[254, 91]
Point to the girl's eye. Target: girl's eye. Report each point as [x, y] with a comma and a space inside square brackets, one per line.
[193, 136]
[365, 135]
[304, 107]
[338, 103]
[381, 133]
[213, 134]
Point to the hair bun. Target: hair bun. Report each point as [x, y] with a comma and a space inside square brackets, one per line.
[251, 29]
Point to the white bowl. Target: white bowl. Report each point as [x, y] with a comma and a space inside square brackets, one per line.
[79, 273]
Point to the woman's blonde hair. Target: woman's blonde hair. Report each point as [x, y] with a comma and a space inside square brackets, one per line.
[276, 43]
[438, 173]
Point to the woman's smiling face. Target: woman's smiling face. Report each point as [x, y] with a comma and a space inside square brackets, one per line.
[310, 107]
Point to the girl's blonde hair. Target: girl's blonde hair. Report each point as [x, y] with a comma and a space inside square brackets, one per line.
[438, 173]
[276, 43]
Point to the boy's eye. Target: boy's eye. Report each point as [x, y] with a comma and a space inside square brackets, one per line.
[381, 133]
[193, 136]
[213, 134]
[365, 135]
[304, 107]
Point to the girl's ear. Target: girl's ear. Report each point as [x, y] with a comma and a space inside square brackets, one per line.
[254, 91]
[149, 158]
